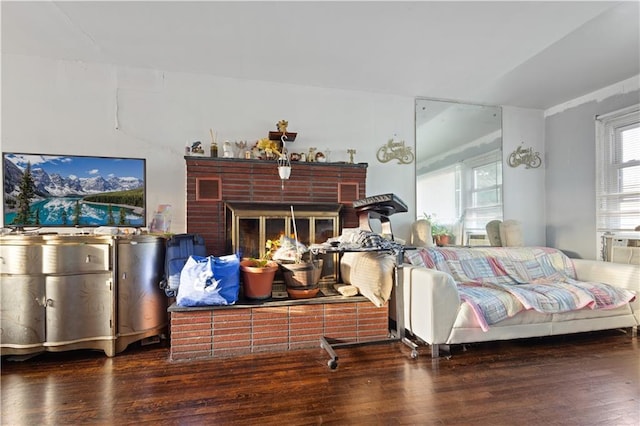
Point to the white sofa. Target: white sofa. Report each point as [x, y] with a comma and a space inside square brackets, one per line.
[435, 314]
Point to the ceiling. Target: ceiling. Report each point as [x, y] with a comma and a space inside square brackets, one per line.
[528, 54]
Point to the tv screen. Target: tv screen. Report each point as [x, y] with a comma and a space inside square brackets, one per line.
[73, 191]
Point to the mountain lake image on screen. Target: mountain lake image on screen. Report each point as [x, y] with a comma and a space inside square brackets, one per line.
[73, 191]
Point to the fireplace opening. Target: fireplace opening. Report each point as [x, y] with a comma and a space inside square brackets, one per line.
[248, 226]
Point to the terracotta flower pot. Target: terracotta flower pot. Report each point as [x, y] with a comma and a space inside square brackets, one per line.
[442, 240]
[302, 279]
[257, 281]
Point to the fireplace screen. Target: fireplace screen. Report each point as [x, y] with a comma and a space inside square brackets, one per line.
[250, 225]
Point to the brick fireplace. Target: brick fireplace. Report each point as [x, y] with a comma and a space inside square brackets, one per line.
[272, 325]
[213, 181]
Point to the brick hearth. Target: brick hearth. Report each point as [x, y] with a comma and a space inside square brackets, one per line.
[224, 331]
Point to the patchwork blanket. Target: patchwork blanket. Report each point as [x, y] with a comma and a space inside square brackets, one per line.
[499, 282]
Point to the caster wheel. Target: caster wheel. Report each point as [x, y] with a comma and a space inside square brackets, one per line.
[414, 354]
[333, 364]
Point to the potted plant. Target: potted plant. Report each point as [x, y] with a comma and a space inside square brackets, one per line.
[257, 277]
[440, 233]
[301, 275]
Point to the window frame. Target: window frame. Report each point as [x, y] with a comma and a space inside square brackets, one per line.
[609, 193]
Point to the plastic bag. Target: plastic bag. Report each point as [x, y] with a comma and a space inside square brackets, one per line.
[209, 281]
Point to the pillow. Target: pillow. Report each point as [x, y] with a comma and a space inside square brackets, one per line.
[413, 257]
[371, 272]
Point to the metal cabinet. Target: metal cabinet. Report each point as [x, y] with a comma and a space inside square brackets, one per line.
[142, 306]
[22, 313]
[57, 294]
[60, 293]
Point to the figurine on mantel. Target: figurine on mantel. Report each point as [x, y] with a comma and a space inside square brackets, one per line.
[240, 149]
[351, 153]
[196, 148]
[228, 151]
[282, 132]
[282, 126]
[311, 156]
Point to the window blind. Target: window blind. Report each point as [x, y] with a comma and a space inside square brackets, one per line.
[618, 170]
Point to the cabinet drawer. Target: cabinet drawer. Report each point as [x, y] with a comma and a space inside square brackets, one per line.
[21, 259]
[72, 258]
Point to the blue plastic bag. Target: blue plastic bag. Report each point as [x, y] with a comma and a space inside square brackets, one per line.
[209, 281]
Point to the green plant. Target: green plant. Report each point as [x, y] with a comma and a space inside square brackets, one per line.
[437, 229]
[267, 260]
[260, 262]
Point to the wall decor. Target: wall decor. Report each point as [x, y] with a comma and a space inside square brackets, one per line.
[530, 158]
[395, 150]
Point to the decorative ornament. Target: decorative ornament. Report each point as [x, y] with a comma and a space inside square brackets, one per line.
[395, 150]
[351, 153]
[284, 165]
[282, 131]
[530, 158]
[240, 148]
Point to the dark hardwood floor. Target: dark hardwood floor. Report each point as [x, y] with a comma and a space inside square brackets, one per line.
[585, 379]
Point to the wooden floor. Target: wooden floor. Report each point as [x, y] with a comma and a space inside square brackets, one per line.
[586, 379]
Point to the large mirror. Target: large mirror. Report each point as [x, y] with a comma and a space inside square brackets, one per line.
[458, 168]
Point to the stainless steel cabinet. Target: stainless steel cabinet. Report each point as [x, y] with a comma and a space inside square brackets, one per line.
[62, 292]
[22, 313]
[142, 306]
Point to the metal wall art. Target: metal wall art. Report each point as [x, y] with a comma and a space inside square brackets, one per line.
[530, 158]
[395, 150]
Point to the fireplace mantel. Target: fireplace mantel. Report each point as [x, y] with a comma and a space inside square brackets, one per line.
[211, 182]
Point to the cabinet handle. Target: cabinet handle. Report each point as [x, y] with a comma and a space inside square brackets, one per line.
[124, 275]
[41, 301]
[49, 302]
[88, 259]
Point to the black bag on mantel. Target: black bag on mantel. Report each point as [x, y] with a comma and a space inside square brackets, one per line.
[179, 248]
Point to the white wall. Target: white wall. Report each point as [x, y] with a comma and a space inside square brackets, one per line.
[523, 189]
[570, 175]
[64, 107]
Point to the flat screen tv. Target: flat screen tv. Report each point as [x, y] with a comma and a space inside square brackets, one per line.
[73, 191]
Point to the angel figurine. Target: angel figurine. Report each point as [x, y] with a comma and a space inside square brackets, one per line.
[282, 126]
[240, 148]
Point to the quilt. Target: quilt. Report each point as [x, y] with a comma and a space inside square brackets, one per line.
[499, 282]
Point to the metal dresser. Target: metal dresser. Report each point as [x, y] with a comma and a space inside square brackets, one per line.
[64, 292]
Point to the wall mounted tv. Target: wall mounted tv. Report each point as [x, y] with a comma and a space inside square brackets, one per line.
[73, 191]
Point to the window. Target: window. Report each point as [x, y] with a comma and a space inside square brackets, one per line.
[464, 196]
[618, 170]
[482, 192]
